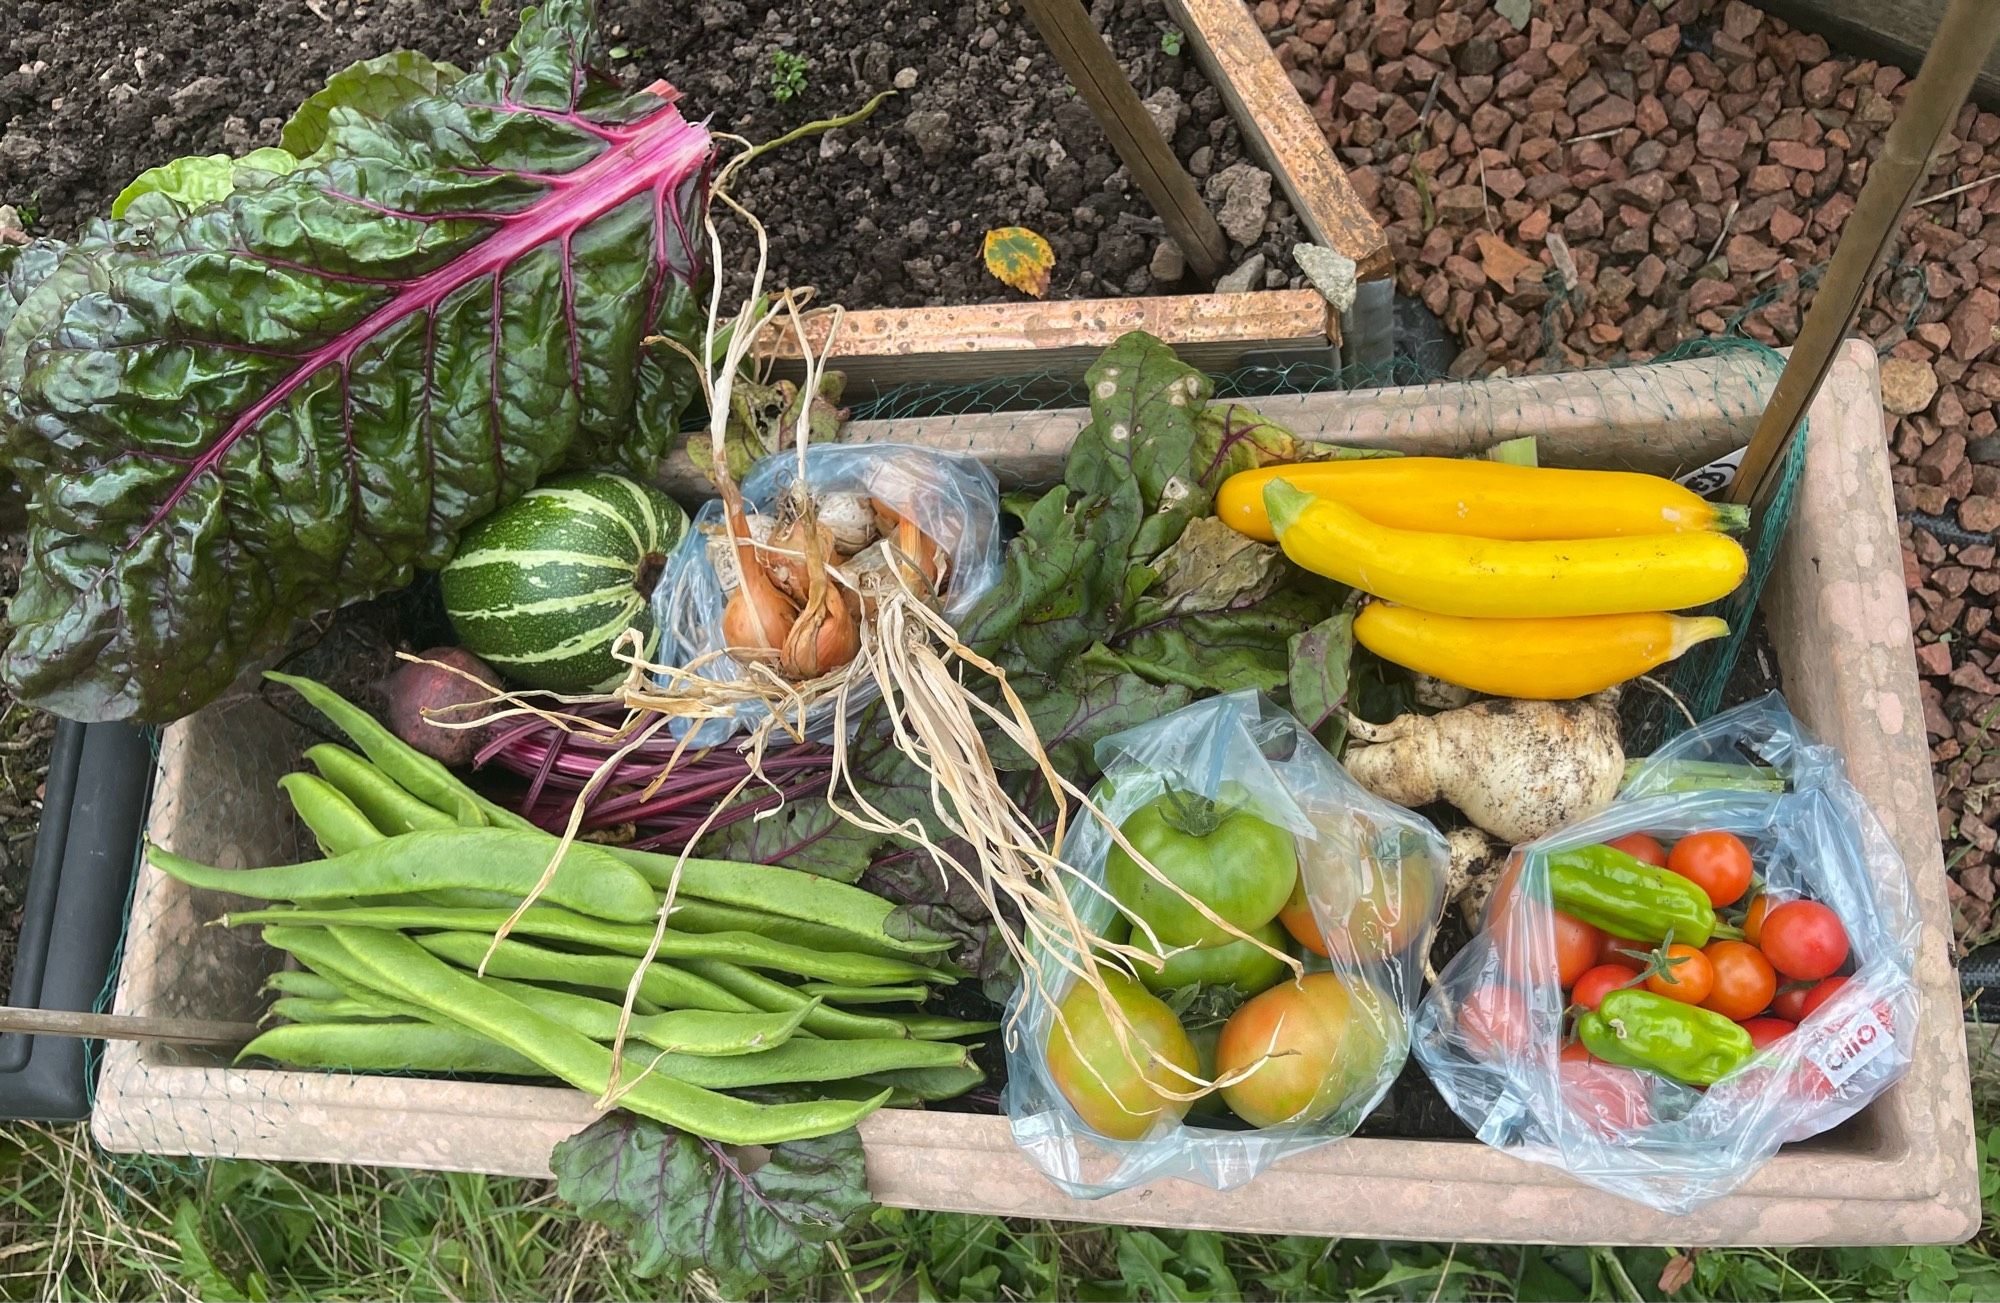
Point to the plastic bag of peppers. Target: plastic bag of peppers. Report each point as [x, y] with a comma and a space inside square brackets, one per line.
[1665, 993]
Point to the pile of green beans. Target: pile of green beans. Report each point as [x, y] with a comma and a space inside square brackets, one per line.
[764, 976]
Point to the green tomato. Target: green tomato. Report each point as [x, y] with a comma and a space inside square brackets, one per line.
[1242, 964]
[1239, 865]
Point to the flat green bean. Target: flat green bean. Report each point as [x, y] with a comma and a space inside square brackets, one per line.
[316, 948]
[934, 1027]
[665, 985]
[833, 993]
[804, 1060]
[768, 889]
[392, 810]
[776, 997]
[422, 978]
[297, 1008]
[488, 859]
[552, 924]
[302, 982]
[418, 774]
[702, 1033]
[773, 889]
[387, 1047]
[336, 823]
[694, 914]
[928, 1084]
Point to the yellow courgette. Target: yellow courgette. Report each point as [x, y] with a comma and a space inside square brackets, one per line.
[1486, 499]
[1455, 575]
[1544, 659]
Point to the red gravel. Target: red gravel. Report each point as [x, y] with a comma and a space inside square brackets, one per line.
[1697, 158]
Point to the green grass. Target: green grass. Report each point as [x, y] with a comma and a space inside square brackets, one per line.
[76, 1223]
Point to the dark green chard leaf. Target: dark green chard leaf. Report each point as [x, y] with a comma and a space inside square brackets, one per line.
[373, 88]
[685, 1205]
[230, 417]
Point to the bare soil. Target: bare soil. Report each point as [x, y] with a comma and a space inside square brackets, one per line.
[985, 132]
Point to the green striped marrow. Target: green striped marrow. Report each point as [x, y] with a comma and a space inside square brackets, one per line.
[541, 588]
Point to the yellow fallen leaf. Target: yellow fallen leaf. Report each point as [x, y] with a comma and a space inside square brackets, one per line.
[1020, 258]
[1502, 261]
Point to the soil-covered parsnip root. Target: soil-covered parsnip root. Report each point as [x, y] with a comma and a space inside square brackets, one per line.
[1472, 871]
[1518, 769]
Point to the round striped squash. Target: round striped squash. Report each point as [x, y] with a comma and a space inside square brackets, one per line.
[541, 588]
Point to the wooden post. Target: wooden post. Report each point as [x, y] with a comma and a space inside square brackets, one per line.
[1065, 25]
[118, 1027]
[1961, 45]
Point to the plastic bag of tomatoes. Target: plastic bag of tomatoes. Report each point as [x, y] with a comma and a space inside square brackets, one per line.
[1264, 947]
[1665, 993]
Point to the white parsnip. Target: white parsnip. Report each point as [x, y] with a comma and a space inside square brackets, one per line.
[1518, 769]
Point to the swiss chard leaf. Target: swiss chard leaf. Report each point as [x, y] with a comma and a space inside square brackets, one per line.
[685, 1204]
[231, 416]
[205, 178]
[373, 88]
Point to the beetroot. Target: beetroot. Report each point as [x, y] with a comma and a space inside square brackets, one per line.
[415, 688]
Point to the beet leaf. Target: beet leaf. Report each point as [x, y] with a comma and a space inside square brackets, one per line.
[683, 1203]
[231, 414]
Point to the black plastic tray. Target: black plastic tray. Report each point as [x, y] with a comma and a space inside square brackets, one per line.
[73, 917]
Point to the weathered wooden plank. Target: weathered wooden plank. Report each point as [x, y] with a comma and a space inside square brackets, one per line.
[1240, 63]
[1097, 76]
[901, 345]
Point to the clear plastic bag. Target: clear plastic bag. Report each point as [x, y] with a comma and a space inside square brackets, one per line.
[952, 498]
[1490, 1041]
[1373, 874]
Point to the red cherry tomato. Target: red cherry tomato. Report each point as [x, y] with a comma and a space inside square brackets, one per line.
[1645, 849]
[1598, 982]
[1494, 1022]
[1804, 940]
[1609, 1100]
[1744, 981]
[1821, 993]
[1576, 943]
[1766, 1032]
[1790, 1003]
[1573, 1052]
[1576, 948]
[1717, 862]
[1630, 955]
[1689, 977]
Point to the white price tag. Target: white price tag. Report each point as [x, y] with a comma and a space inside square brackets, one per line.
[1714, 477]
[1853, 1046]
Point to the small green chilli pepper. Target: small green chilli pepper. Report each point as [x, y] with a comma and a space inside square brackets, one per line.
[1628, 898]
[1639, 1029]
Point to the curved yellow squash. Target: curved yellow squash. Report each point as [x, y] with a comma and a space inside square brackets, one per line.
[1486, 499]
[1544, 659]
[1455, 575]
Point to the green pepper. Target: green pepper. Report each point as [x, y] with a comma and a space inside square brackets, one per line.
[1628, 898]
[1639, 1029]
